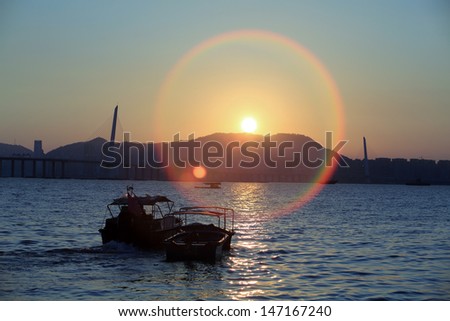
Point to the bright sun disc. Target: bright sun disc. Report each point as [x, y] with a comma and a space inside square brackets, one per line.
[248, 125]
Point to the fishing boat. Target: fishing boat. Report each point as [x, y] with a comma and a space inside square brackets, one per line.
[201, 241]
[143, 221]
[210, 185]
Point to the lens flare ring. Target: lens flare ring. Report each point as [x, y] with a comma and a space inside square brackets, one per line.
[271, 39]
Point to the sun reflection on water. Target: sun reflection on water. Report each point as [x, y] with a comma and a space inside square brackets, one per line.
[253, 276]
[268, 256]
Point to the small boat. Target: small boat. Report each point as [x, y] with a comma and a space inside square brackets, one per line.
[201, 241]
[210, 185]
[144, 221]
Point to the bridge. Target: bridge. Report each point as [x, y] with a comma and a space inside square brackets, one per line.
[37, 167]
[30, 167]
[45, 167]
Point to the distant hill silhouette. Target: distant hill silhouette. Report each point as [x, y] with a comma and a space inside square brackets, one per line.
[139, 161]
[8, 150]
[226, 138]
[283, 145]
[249, 157]
[89, 150]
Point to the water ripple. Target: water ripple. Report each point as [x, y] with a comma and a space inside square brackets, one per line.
[388, 243]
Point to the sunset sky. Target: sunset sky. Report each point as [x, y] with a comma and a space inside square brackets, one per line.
[379, 69]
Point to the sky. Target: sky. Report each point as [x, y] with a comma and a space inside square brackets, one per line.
[378, 69]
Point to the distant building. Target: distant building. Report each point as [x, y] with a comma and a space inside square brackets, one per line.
[38, 152]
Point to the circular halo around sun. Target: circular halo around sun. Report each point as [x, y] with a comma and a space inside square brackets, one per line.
[249, 125]
[269, 68]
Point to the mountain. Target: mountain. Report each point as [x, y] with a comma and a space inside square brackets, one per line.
[8, 150]
[245, 137]
[89, 150]
[248, 157]
[269, 151]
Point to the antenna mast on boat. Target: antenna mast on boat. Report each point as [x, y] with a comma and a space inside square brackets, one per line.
[114, 123]
[366, 162]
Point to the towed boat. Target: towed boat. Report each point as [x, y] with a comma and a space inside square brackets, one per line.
[144, 221]
[201, 241]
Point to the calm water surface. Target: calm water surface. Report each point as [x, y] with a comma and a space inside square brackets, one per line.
[351, 242]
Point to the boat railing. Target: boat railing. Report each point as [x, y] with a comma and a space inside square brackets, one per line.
[212, 211]
[153, 209]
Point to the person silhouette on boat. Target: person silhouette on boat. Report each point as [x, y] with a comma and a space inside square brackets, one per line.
[134, 207]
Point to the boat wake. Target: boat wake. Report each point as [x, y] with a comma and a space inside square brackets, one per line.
[118, 247]
[110, 247]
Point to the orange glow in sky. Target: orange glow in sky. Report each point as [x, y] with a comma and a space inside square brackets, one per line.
[303, 67]
[223, 79]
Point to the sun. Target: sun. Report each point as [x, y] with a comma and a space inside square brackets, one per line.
[249, 125]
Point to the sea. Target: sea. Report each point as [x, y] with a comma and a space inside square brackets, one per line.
[346, 242]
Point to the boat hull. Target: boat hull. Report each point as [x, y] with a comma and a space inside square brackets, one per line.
[199, 242]
[143, 232]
